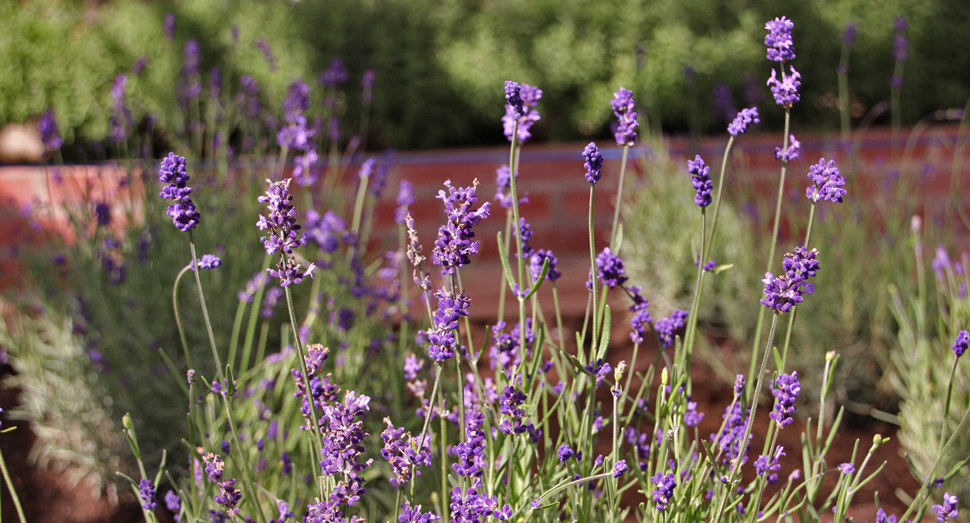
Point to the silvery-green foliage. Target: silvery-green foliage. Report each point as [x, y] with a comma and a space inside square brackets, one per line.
[60, 396]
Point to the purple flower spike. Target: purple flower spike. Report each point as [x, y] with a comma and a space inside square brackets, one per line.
[530, 97]
[400, 451]
[209, 262]
[779, 41]
[743, 119]
[785, 89]
[664, 493]
[49, 134]
[961, 343]
[405, 198]
[513, 97]
[455, 244]
[564, 453]
[786, 390]
[610, 270]
[442, 336]
[146, 489]
[367, 82]
[503, 188]
[794, 148]
[848, 35]
[594, 163]
[766, 465]
[624, 107]
[284, 233]
[411, 514]
[267, 51]
[170, 26]
[619, 468]
[335, 75]
[828, 182]
[183, 212]
[701, 180]
[173, 503]
[900, 44]
[536, 261]
[948, 510]
[882, 517]
[667, 327]
[785, 291]
[846, 468]
[641, 318]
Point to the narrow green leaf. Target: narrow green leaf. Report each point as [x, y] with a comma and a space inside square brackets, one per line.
[721, 268]
[503, 256]
[542, 278]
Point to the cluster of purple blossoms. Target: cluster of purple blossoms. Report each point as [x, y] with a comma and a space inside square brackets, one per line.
[742, 120]
[228, 495]
[335, 75]
[779, 40]
[470, 453]
[739, 383]
[785, 291]
[248, 97]
[537, 259]
[505, 352]
[785, 89]
[828, 182]
[284, 233]
[455, 245]
[342, 445]
[327, 231]
[729, 438]
[405, 198]
[267, 51]
[691, 417]
[961, 343]
[948, 510]
[667, 327]
[848, 34]
[173, 504]
[121, 120]
[769, 466]
[565, 453]
[882, 517]
[192, 87]
[146, 490]
[941, 263]
[846, 468]
[208, 262]
[403, 453]
[510, 404]
[252, 287]
[527, 115]
[624, 107]
[900, 45]
[701, 181]
[594, 163]
[169, 26]
[442, 337]
[619, 468]
[641, 318]
[503, 188]
[794, 148]
[610, 270]
[411, 514]
[473, 507]
[367, 83]
[786, 389]
[664, 493]
[183, 212]
[49, 135]
[513, 97]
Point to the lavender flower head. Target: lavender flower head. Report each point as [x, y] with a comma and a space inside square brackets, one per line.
[209, 262]
[455, 243]
[664, 493]
[536, 261]
[848, 35]
[503, 188]
[284, 233]
[785, 89]
[191, 69]
[594, 163]
[442, 337]
[405, 198]
[900, 44]
[264, 48]
[785, 291]
[769, 466]
[948, 510]
[961, 343]
[146, 490]
[701, 181]
[619, 468]
[530, 97]
[667, 327]
[779, 41]
[641, 317]
[828, 182]
[335, 75]
[742, 120]
[169, 26]
[367, 82]
[564, 453]
[173, 503]
[786, 389]
[624, 107]
[610, 270]
[49, 135]
[513, 97]
[183, 212]
[411, 514]
[794, 148]
[846, 468]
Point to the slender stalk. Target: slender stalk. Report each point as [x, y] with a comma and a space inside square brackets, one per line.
[619, 197]
[774, 240]
[592, 268]
[427, 414]
[13, 492]
[205, 311]
[178, 319]
[315, 443]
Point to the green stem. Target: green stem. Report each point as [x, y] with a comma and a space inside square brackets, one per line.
[178, 319]
[592, 265]
[205, 311]
[774, 241]
[13, 492]
[619, 197]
